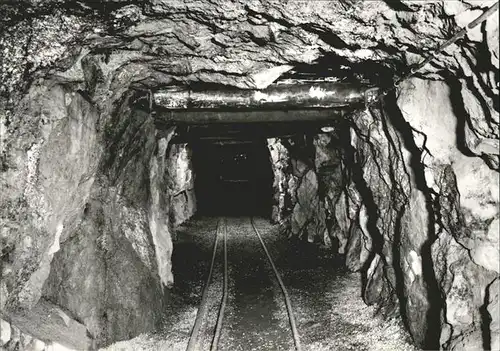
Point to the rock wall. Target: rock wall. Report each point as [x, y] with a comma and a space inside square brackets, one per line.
[423, 217]
[181, 183]
[44, 327]
[409, 207]
[14, 339]
[112, 270]
[51, 151]
[280, 161]
[336, 197]
[85, 195]
[297, 204]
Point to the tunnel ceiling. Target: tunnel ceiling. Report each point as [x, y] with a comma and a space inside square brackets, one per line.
[116, 45]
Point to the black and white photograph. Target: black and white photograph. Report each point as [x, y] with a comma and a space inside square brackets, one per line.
[249, 175]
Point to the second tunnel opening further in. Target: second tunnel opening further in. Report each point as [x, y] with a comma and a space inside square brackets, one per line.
[234, 171]
[233, 178]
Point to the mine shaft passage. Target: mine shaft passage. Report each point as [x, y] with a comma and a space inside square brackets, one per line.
[360, 138]
[233, 178]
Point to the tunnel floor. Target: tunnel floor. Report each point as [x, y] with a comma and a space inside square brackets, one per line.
[329, 311]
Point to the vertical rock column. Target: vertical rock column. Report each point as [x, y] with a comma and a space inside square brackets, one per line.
[387, 219]
[453, 132]
[297, 202]
[181, 183]
[50, 153]
[280, 162]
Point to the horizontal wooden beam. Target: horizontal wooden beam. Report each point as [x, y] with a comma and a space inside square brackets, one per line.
[289, 95]
[209, 117]
[243, 132]
[226, 140]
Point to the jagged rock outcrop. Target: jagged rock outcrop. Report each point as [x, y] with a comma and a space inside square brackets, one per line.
[112, 270]
[493, 308]
[414, 213]
[429, 211]
[463, 191]
[345, 215]
[181, 187]
[297, 203]
[280, 162]
[235, 43]
[413, 197]
[48, 170]
[45, 327]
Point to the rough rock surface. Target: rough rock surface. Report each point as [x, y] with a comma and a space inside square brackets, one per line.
[465, 198]
[493, 308]
[418, 196]
[280, 162]
[411, 211]
[5, 332]
[45, 327]
[48, 171]
[181, 187]
[430, 211]
[112, 271]
[205, 41]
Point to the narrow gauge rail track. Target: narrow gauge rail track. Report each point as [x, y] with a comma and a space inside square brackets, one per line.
[202, 311]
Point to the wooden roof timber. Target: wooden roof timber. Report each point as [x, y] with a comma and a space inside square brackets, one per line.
[301, 101]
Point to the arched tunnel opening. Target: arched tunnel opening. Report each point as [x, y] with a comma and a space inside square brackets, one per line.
[224, 175]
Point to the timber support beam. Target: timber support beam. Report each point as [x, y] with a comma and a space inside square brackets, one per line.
[283, 102]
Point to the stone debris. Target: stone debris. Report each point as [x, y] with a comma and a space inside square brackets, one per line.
[43, 328]
[19, 340]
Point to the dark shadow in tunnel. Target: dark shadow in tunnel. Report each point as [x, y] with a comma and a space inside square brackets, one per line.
[233, 178]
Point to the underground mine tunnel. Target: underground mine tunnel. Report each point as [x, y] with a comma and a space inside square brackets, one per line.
[233, 178]
[265, 175]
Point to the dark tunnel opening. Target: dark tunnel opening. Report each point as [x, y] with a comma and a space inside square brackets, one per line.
[233, 178]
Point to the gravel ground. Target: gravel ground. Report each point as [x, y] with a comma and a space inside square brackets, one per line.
[255, 317]
[327, 302]
[329, 311]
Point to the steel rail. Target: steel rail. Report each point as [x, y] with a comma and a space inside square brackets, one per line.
[291, 317]
[193, 338]
[220, 317]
